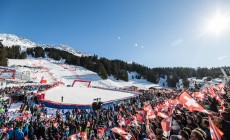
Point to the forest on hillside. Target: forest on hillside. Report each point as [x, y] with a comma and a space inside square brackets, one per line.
[117, 68]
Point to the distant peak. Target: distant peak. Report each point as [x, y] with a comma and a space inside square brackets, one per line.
[10, 40]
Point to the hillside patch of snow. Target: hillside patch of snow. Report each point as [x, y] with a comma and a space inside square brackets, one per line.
[54, 71]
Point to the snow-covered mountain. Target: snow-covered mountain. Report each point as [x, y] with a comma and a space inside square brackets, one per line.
[53, 71]
[10, 40]
[67, 49]
[62, 72]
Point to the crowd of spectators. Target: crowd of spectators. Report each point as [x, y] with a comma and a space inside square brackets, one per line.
[36, 123]
[7, 91]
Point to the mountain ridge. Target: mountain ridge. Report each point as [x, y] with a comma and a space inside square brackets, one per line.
[10, 40]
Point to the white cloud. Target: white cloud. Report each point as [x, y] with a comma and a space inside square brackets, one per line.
[222, 57]
[177, 42]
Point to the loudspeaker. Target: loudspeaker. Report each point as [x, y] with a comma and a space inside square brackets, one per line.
[94, 106]
[99, 105]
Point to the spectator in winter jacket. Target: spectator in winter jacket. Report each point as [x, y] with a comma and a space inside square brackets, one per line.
[25, 129]
[31, 132]
[41, 131]
[205, 127]
[11, 133]
[18, 134]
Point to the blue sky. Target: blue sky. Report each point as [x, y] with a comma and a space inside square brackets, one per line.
[154, 33]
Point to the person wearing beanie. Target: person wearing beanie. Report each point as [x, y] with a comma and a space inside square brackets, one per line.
[188, 130]
[19, 135]
[202, 132]
[11, 132]
[175, 137]
[191, 123]
[205, 127]
[143, 136]
[213, 104]
[184, 135]
[31, 132]
[198, 120]
[175, 127]
[225, 123]
[196, 135]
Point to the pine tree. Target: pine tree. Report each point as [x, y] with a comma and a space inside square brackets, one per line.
[13, 52]
[125, 76]
[172, 80]
[3, 55]
[115, 71]
[102, 72]
[56, 56]
[16, 50]
[23, 55]
[77, 61]
[39, 52]
[107, 65]
[186, 83]
[29, 51]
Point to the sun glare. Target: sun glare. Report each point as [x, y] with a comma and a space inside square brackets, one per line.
[218, 24]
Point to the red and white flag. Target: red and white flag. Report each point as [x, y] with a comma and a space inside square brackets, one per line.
[139, 117]
[213, 94]
[147, 125]
[128, 121]
[166, 126]
[220, 88]
[159, 106]
[211, 91]
[100, 132]
[72, 137]
[216, 133]
[121, 122]
[190, 103]
[162, 115]
[221, 91]
[151, 135]
[134, 120]
[165, 105]
[173, 102]
[83, 135]
[149, 112]
[122, 133]
[219, 99]
[198, 95]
